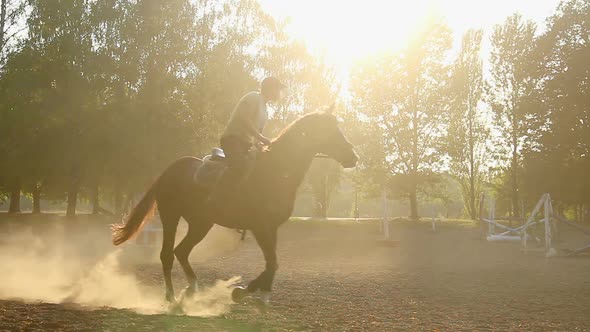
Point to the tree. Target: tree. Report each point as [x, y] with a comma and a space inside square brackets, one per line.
[11, 12]
[60, 32]
[102, 95]
[511, 81]
[23, 124]
[310, 81]
[323, 178]
[559, 159]
[468, 135]
[317, 81]
[403, 96]
[311, 86]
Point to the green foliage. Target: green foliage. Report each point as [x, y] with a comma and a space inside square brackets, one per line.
[559, 160]
[107, 93]
[512, 81]
[403, 97]
[468, 134]
[11, 31]
[97, 97]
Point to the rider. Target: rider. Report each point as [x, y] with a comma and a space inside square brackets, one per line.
[243, 130]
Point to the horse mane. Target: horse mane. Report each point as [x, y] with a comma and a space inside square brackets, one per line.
[296, 124]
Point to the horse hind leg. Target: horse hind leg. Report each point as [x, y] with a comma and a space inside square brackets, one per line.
[169, 225]
[196, 232]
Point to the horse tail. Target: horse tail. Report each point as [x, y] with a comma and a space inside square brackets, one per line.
[142, 212]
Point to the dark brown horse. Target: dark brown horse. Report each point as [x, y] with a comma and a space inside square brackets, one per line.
[262, 202]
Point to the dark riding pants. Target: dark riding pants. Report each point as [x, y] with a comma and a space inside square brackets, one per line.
[236, 154]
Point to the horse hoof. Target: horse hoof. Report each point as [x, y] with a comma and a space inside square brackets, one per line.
[238, 294]
[171, 299]
[260, 304]
[189, 291]
[175, 308]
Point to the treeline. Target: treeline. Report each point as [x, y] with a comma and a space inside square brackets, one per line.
[97, 97]
[519, 127]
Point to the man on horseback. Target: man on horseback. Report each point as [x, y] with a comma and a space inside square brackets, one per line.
[175, 196]
[243, 130]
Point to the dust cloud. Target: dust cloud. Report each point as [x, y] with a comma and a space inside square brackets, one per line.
[69, 262]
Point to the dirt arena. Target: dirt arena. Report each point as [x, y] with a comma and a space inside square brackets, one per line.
[333, 276]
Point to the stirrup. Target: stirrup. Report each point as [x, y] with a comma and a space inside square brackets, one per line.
[217, 154]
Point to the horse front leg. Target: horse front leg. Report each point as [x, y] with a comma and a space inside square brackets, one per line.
[267, 241]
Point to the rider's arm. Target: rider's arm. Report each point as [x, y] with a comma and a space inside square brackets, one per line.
[248, 117]
[252, 129]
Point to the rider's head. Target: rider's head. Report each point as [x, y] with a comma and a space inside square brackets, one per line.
[271, 88]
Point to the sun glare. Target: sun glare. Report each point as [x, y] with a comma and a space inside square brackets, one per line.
[347, 31]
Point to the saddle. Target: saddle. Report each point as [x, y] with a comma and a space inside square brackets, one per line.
[213, 166]
[211, 169]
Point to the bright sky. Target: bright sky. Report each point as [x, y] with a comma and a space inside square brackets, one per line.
[344, 30]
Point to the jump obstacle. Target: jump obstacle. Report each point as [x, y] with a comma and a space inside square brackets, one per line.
[538, 233]
[385, 224]
[552, 223]
[497, 231]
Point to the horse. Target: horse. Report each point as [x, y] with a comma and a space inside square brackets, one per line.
[263, 200]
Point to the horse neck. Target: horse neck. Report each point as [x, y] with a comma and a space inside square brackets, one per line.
[290, 158]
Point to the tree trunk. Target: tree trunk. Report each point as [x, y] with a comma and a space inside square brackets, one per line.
[72, 198]
[95, 200]
[2, 22]
[472, 171]
[320, 195]
[15, 196]
[320, 208]
[414, 204]
[515, 198]
[325, 198]
[472, 198]
[356, 212]
[37, 199]
[482, 200]
[514, 166]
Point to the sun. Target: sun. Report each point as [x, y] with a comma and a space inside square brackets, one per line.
[345, 31]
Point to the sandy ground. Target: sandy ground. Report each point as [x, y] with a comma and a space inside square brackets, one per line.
[333, 276]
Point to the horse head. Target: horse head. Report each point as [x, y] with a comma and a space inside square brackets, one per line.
[320, 133]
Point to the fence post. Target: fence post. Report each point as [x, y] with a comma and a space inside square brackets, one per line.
[385, 222]
[547, 224]
[492, 212]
